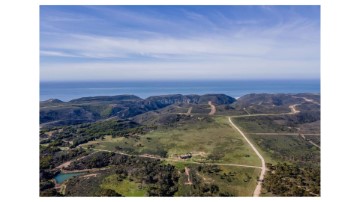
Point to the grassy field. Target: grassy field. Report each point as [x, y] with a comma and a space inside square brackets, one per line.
[234, 181]
[124, 187]
[278, 148]
[285, 148]
[264, 124]
[214, 141]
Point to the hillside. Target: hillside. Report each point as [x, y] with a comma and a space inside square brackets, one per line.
[88, 109]
[181, 145]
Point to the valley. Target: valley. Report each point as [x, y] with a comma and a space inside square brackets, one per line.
[181, 145]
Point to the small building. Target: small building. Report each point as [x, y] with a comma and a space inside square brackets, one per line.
[186, 156]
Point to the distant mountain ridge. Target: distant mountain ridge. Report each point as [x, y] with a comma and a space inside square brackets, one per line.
[124, 106]
[55, 112]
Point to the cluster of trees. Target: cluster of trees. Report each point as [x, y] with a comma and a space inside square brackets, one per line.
[160, 179]
[96, 160]
[209, 169]
[47, 186]
[291, 180]
[115, 128]
[51, 156]
[82, 133]
[199, 187]
[46, 156]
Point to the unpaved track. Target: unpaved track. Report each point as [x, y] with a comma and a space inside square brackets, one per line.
[246, 111]
[308, 100]
[293, 109]
[66, 164]
[311, 142]
[179, 160]
[187, 172]
[263, 166]
[213, 108]
[189, 111]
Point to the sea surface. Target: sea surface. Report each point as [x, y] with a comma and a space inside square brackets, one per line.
[66, 91]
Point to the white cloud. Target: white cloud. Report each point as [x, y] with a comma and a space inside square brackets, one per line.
[265, 43]
[288, 49]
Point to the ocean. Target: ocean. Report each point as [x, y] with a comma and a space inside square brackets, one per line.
[66, 91]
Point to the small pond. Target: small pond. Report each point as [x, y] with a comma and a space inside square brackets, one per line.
[61, 177]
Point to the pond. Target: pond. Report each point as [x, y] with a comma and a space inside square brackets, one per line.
[61, 177]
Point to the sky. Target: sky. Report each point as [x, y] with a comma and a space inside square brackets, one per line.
[121, 43]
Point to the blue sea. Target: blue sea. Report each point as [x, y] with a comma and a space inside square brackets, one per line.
[66, 91]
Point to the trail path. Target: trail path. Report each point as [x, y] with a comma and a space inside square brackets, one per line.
[213, 108]
[66, 164]
[311, 142]
[308, 100]
[263, 166]
[189, 111]
[180, 160]
[187, 172]
[246, 111]
[293, 109]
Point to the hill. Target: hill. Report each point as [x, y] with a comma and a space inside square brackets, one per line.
[89, 109]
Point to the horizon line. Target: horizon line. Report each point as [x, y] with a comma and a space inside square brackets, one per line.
[182, 80]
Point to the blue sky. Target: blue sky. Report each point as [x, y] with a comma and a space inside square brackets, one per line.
[80, 43]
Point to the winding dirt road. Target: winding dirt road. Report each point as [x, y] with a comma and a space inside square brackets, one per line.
[308, 100]
[213, 108]
[189, 111]
[187, 172]
[293, 109]
[263, 166]
[66, 164]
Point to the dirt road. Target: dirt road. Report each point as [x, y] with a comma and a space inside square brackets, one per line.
[246, 111]
[293, 109]
[263, 166]
[213, 108]
[308, 100]
[66, 164]
[187, 172]
[180, 160]
[189, 111]
[311, 142]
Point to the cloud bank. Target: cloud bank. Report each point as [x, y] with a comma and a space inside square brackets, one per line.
[154, 43]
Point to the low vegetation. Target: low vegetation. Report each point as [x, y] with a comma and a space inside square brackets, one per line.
[128, 146]
[291, 180]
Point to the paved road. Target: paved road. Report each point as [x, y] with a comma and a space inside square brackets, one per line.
[263, 166]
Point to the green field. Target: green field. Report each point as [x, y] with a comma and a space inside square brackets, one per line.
[279, 148]
[124, 187]
[264, 124]
[232, 181]
[214, 141]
